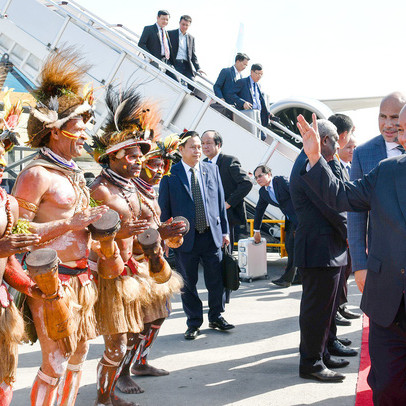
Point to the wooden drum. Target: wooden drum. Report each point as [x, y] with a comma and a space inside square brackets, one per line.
[60, 324]
[150, 242]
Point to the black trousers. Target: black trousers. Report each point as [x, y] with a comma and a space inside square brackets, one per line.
[183, 67]
[290, 269]
[316, 312]
[387, 349]
[333, 326]
[206, 251]
[344, 291]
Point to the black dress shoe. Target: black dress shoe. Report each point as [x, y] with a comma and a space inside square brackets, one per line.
[334, 362]
[221, 324]
[348, 314]
[191, 333]
[281, 283]
[341, 321]
[336, 348]
[345, 341]
[325, 375]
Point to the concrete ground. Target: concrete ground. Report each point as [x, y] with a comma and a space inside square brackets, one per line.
[254, 364]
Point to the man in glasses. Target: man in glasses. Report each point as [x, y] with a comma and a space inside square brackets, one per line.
[275, 191]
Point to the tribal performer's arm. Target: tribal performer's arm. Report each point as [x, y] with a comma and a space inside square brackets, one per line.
[30, 198]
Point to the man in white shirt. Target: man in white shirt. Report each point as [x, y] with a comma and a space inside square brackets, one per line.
[194, 191]
[346, 154]
[183, 57]
[155, 40]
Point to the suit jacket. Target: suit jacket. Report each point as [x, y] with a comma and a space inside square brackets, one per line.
[320, 239]
[280, 186]
[151, 42]
[175, 199]
[366, 157]
[236, 184]
[224, 86]
[243, 93]
[383, 192]
[191, 55]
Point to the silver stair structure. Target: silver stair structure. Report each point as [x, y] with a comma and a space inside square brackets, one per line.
[31, 29]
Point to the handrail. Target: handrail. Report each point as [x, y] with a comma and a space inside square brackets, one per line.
[281, 245]
[200, 87]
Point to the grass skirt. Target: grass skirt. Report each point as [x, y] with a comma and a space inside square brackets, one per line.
[11, 334]
[118, 309]
[159, 304]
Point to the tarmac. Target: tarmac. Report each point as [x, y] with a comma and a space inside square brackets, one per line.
[255, 364]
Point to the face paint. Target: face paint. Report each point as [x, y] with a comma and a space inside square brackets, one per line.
[72, 136]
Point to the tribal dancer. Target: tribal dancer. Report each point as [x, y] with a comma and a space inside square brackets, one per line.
[157, 163]
[52, 196]
[11, 321]
[130, 126]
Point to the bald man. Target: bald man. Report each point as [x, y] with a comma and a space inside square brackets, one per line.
[366, 157]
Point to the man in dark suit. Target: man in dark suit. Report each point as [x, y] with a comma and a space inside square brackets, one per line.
[155, 40]
[224, 86]
[275, 191]
[236, 183]
[194, 190]
[366, 157]
[382, 192]
[345, 130]
[183, 54]
[248, 98]
[320, 254]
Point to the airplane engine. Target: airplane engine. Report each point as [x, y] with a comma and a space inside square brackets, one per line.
[288, 109]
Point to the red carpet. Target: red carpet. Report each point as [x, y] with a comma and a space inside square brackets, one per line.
[364, 392]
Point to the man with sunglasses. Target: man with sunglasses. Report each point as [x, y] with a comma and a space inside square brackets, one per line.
[275, 191]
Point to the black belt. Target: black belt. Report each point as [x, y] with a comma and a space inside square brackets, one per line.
[181, 61]
[64, 270]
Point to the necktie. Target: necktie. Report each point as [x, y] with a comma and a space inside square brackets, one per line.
[165, 43]
[209, 161]
[348, 167]
[200, 215]
[272, 194]
[401, 149]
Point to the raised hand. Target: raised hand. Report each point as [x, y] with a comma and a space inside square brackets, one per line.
[311, 138]
[82, 219]
[170, 229]
[16, 243]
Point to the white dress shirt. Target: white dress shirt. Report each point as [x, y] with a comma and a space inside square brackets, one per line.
[391, 149]
[182, 50]
[200, 180]
[237, 74]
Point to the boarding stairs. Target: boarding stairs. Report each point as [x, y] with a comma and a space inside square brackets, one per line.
[31, 29]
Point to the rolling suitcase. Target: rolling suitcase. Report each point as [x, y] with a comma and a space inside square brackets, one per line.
[252, 259]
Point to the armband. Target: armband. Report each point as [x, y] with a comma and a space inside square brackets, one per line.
[15, 276]
[27, 205]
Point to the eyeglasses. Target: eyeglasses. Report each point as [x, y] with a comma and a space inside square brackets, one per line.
[259, 176]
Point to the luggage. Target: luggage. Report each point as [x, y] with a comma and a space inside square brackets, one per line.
[252, 259]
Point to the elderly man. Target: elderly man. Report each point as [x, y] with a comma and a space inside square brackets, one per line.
[366, 157]
[382, 192]
[52, 195]
[320, 255]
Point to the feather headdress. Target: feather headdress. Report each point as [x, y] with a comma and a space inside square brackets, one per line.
[10, 121]
[130, 121]
[166, 150]
[60, 96]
